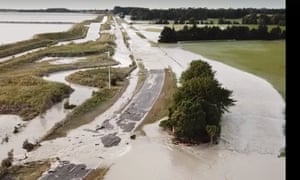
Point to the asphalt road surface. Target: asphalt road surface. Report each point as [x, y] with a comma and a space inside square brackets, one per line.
[67, 171]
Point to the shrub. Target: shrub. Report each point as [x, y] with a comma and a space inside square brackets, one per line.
[28, 146]
[7, 162]
[67, 105]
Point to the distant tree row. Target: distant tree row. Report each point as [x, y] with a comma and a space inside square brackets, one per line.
[169, 35]
[183, 14]
[224, 21]
[198, 106]
[278, 19]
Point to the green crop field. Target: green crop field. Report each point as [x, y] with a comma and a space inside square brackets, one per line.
[262, 58]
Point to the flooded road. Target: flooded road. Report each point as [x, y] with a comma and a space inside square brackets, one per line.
[154, 157]
[251, 138]
[122, 52]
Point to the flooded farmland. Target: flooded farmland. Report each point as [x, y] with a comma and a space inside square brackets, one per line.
[246, 150]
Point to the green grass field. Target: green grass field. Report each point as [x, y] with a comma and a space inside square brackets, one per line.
[262, 58]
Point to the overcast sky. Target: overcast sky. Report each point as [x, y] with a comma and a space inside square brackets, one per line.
[109, 4]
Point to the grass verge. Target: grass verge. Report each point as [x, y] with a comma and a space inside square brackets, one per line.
[99, 77]
[27, 171]
[97, 174]
[107, 38]
[107, 24]
[164, 100]
[126, 38]
[83, 49]
[141, 35]
[142, 74]
[153, 29]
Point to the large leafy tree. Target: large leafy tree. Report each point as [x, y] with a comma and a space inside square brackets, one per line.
[197, 69]
[198, 105]
[167, 35]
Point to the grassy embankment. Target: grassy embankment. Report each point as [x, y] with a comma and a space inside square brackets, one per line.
[262, 58]
[27, 171]
[107, 24]
[140, 35]
[97, 174]
[99, 77]
[24, 93]
[126, 37]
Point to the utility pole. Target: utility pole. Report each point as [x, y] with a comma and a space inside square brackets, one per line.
[109, 83]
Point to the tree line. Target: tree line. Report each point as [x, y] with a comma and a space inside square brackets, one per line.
[278, 19]
[198, 106]
[184, 14]
[169, 35]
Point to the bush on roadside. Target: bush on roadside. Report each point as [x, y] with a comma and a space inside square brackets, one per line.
[7, 162]
[28, 146]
